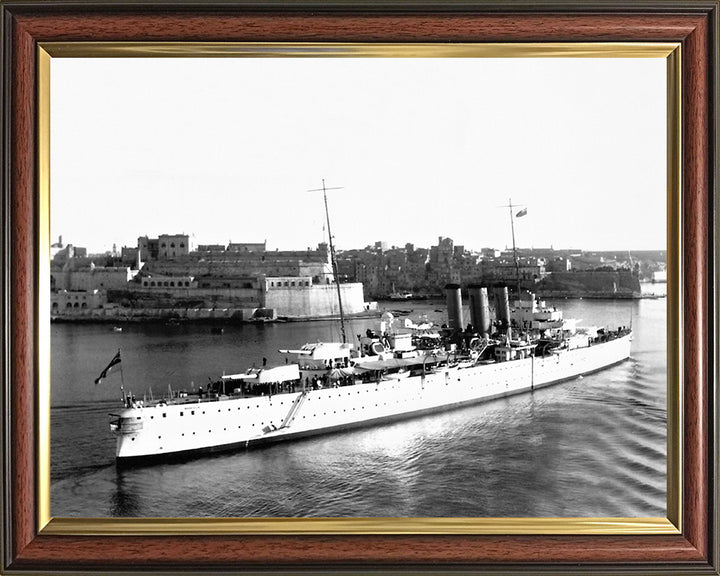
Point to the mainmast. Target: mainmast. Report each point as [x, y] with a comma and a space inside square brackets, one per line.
[517, 264]
[332, 257]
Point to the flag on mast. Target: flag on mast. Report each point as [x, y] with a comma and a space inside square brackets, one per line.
[104, 373]
[521, 213]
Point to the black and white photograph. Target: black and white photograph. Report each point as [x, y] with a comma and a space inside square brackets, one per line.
[317, 287]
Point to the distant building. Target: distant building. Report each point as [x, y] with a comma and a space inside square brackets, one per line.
[559, 264]
[161, 282]
[92, 278]
[75, 302]
[61, 254]
[164, 247]
[490, 253]
[443, 253]
[172, 246]
[56, 247]
[277, 283]
[247, 247]
[211, 248]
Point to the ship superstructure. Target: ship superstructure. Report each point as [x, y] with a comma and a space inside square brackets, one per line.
[390, 374]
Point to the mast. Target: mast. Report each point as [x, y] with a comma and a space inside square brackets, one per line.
[517, 265]
[333, 262]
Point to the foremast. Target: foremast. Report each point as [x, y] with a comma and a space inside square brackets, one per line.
[333, 261]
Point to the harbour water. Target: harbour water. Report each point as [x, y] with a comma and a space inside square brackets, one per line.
[592, 446]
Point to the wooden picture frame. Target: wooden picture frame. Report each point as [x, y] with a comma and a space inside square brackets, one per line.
[30, 545]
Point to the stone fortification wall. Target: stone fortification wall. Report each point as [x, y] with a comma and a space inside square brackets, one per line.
[125, 314]
[99, 278]
[315, 301]
[187, 297]
[199, 267]
[590, 283]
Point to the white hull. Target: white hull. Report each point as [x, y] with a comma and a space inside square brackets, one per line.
[209, 426]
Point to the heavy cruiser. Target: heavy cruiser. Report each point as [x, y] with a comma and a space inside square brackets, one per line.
[391, 374]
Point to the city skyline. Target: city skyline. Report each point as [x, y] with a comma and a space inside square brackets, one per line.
[373, 245]
[227, 149]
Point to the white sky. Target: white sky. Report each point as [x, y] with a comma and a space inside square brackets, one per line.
[226, 148]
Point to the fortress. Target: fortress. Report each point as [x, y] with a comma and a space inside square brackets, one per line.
[167, 277]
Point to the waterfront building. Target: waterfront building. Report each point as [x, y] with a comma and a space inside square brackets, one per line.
[76, 302]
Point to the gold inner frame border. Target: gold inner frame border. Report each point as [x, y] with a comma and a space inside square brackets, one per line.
[352, 526]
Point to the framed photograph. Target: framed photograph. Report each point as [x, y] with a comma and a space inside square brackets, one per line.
[287, 286]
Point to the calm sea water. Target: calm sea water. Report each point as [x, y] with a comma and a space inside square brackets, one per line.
[593, 446]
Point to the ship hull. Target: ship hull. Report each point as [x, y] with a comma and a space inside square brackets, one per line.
[188, 430]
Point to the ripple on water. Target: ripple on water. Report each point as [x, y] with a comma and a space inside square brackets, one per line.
[587, 447]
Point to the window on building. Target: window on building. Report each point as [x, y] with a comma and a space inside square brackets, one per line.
[54, 304]
[162, 245]
[292, 283]
[182, 244]
[187, 284]
[172, 244]
[152, 283]
[68, 305]
[84, 305]
[75, 305]
[172, 284]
